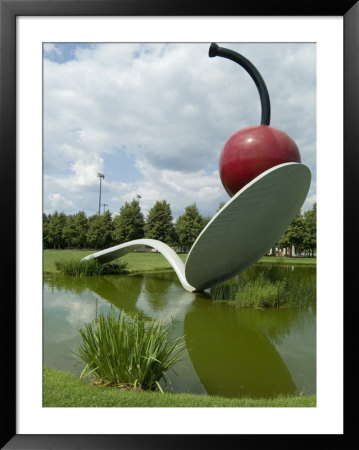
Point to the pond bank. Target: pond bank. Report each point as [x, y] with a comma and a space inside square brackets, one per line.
[145, 262]
[229, 349]
[61, 389]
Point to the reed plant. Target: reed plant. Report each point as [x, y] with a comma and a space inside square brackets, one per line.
[263, 289]
[262, 293]
[91, 267]
[128, 352]
[226, 290]
[301, 294]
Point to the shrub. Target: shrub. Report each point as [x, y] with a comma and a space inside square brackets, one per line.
[127, 351]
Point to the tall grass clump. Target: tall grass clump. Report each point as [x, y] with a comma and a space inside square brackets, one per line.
[75, 267]
[302, 293]
[226, 290]
[268, 286]
[262, 293]
[128, 352]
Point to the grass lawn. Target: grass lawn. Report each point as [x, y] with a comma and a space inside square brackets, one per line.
[61, 389]
[137, 261]
[143, 262]
[288, 261]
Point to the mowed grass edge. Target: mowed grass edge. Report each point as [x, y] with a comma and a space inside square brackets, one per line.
[136, 261]
[62, 389]
[149, 261]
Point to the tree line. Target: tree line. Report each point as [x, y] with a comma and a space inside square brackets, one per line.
[301, 234]
[101, 231]
[61, 231]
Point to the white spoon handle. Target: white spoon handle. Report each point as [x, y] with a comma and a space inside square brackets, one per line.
[117, 251]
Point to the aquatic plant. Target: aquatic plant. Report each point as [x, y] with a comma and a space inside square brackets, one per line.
[128, 352]
[266, 288]
[75, 267]
[261, 292]
[226, 290]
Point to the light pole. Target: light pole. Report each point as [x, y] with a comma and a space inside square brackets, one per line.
[101, 176]
[104, 206]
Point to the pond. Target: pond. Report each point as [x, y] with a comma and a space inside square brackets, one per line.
[230, 351]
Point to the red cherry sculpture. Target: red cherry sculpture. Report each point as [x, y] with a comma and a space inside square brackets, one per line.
[253, 150]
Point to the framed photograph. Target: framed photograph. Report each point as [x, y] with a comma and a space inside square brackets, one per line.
[50, 51]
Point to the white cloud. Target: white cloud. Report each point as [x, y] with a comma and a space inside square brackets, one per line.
[59, 203]
[171, 108]
[51, 49]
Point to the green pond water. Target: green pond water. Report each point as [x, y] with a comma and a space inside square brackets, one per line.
[231, 351]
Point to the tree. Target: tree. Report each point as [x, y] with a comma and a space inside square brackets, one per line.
[294, 236]
[283, 242]
[108, 227]
[310, 229]
[129, 224]
[159, 224]
[296, 232]
[99, 234]
[189, 225]
[45, 230]
[81, 224]
[54, 230]
[69, 232]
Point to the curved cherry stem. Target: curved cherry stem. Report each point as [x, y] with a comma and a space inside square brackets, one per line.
[215, 50]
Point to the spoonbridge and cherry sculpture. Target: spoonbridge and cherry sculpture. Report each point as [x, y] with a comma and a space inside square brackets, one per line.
[261, 169]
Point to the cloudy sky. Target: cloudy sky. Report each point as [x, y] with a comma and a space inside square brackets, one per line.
[153, 118]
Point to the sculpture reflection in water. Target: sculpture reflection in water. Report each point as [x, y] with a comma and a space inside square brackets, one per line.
[230, 351]
[234, 351]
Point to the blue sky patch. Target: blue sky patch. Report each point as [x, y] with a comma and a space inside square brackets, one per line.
[62, 52]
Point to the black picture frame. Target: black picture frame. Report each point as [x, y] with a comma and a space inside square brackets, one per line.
[9, 10]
